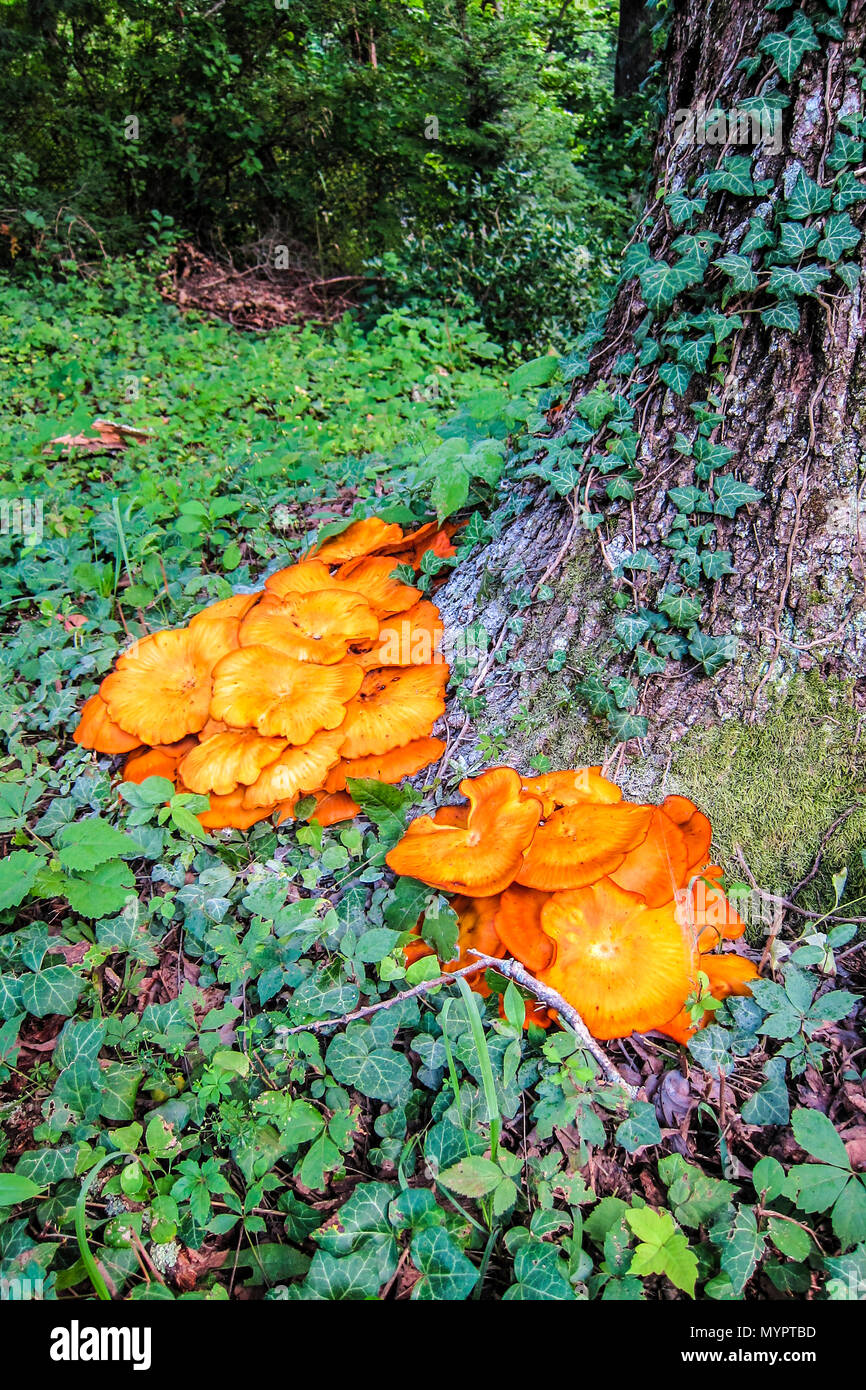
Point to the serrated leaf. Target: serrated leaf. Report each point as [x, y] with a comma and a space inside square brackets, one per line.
[18, 872]
[84, 844]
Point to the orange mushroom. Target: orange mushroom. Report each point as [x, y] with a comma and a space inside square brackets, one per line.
[224, 761]
[726, 975]
[295, 770]
[658, 866]
[624, 966]
[394, 706]
[280, 696]
[695, 827]
[161, 688]
[412, 638]
[574, 788]
[360, 538]
[386, 767]
[373, 578]
[151, 762]
[318, 627]
[97, 730]
[477, 932]
[304, 578]
[481, 859]
[579, 844]
[237, 606]
[229, 813]
[518, 923]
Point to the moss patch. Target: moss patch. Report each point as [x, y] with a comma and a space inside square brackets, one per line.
[775, 788]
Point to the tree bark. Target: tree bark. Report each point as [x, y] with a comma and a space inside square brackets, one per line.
[633, 48]
[794, 407]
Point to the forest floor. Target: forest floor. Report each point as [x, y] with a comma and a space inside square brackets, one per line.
[150, 1078]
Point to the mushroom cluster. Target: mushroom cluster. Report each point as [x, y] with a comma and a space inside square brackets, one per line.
[611, 904]
[332, 671]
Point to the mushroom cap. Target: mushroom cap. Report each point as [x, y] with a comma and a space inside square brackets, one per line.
[360, 538]
[477, 932]
[624, 966]
[386, 767]
[96, 729]
[150, 762]
[394, 706]
[317, 627]
[709, 912]
[224, 761]
[658, 866]
[580, 844]
[481, 859]
[411, 638]
[372, 577]
[330, 809]
[229, 813]
[161, 688]
[518, 923]
[282, 697]
[304, 578]
[411, 539]
[572, 788]
[235, 606]
[452, 815]
[695, 827]
[295, 770]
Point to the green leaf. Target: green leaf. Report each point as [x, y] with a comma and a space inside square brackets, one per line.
[384, 805]
[757, 237]
[660, 283]
[15, 1189]
[739, 269]
[730, 493]
[663, 1249]
[640, 1129]
[735, 176]
[676, 375]
[18, 872]
[785, 314]
[446, 1273]
[541, 1275]
[52, 991]
[682, 610]
[786, 281]
[86, 843]
[472, 1177]
[815, 1133]
[807, 198]
[770, 1104]
[840, 235]
[354, 1060]
[741, 1248]
[788, 49]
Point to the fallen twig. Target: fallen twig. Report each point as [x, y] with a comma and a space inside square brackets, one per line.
[516, 972]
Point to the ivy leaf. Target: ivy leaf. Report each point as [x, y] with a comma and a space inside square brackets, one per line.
[690, 499]
[795, 239]
[712, 652]
[741, 1248]
[682, 209]
[757, 237]
[595, 407]
[446, 1273]
[786, 281]
[541, 1274]
[640, 1129]
[739, 269]
[648, 664]
[627, 726]
[630, 629]
[847, 190]
[785, 314]
[730, 493]
[735, 176]
[695, 352]
[716, 563]
[677, 376]
[596, 695]
[769, 1105]
[788, 49]
[806, 198]
[682, 610]
[660, 283]
[52, 991]
[840, 235]
[663, 1249]
[355, 1060]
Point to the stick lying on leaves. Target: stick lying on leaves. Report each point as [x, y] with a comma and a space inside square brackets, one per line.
[513, 970]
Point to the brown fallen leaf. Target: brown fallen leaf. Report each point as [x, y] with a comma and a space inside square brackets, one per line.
[110, 436]
[192, 1265]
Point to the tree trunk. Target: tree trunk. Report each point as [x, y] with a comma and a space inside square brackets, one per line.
[633, 48]
[792, 408]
